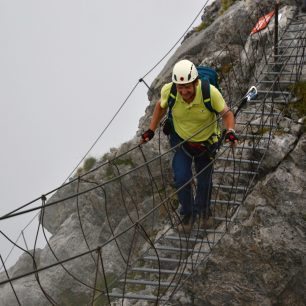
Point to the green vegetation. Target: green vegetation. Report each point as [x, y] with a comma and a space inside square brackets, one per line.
[124, 162]
[225, 5]
[299, 107]
[203, 25]
[88, 165]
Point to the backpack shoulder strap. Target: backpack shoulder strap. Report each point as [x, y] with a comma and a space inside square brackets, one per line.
[205, 86]
[172, 96]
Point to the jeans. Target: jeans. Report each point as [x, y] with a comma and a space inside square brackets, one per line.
[182, 169]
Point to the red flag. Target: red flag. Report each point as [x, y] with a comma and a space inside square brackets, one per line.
[262, 22]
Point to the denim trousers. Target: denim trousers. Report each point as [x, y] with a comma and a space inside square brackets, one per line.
[182, 169]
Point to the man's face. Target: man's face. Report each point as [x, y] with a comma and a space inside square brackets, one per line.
[187, 91]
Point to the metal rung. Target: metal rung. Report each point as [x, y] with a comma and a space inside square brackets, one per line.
[277, 82]
[169, 260]
[269, 101]
[180, 250]
[209, 231]
[289, 38]
[188, 239]
[294, 31]
[289, 55]
[147, 282]
[280, 73]
[285, 64]
[246, 147]
[253, 136]
[260, 113]
[231, 171]
[247, 161]
[276, 92]
[224, 202]
[290, 47]
[136, 297]
[160, 271]
[223, 219]
[257, 124]
[229, 187]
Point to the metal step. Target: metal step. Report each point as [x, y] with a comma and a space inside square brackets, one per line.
[246, 147]
[223, 219]
[137, 297]
[288, 55]
[238, 160]
[168, 260]
[280, 73]
[272, 126]
[226, 202]
[147, 282]
[236, 188]
[252, 136]
[188, 239]
[277, 82]
[260, 113]
[276, 101]
[181, 250]
[159, 271]
[238, 171]
[274, 92]
[285, 64]
[290, 47]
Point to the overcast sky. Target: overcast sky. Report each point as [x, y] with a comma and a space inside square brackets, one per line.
[66, 66]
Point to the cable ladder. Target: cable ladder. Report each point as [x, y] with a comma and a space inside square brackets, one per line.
[175, 256]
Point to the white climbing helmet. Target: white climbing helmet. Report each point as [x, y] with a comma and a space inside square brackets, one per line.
[184, 72]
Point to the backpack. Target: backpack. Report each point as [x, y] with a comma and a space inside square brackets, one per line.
[207, 75]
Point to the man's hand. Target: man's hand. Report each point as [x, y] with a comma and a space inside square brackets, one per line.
[231, 137]
[147, 136]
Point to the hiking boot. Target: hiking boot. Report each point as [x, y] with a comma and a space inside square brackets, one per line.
[206, 220]
[186, 225]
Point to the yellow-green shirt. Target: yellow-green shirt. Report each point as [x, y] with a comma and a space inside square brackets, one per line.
[194, 118]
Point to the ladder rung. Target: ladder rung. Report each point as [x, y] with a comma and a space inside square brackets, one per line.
[276, 92]
[252, 136]
[260, 113]
[277, 82]
[272, 126]
[160, 271]
[232, 171]
[280, 73]
[224, 202]
[180, 250]
[288, 55]
[247, 161]
[136, 297]
[188, 239]
[169, 260]
[229, 187]
[285, 64]
[276, 101]
[246, 147]
[222, 219]
[147, 282]
[290, 47]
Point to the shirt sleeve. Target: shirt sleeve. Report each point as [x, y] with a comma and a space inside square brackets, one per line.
[217, 101]
[164, 95]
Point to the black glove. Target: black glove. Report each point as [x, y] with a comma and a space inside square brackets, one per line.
[147, 135]
[231, 136]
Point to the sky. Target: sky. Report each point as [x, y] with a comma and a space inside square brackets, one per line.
[66, 66]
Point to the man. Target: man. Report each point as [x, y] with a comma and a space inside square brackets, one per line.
[195, 123]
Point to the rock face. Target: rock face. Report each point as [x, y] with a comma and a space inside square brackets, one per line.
[261, 259]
